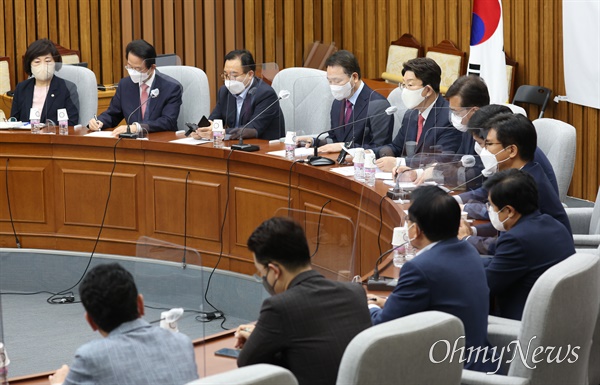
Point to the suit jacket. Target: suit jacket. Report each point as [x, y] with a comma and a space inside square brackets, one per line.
[523, 253]
[135, 353]
[367, 133]
[161, 112]
[269, 125]
[307, 328]
[439, 135]
[437, 280]
[58, 97]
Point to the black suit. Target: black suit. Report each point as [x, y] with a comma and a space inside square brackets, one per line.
[376, 131]
[269, 125]
[58, 97]
[307, 328]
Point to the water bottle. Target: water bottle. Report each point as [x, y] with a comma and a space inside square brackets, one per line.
[218, 138]
[4, 361]
[290, 145]
[359, 164]
[397, 240]
[63, 121]
[34, 121]
[370, 169]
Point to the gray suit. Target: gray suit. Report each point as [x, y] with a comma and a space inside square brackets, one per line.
[135, 353]
[307, 328]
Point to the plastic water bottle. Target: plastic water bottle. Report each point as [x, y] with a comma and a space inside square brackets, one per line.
[398, 239]
[63, 121]
[34, 121]
[290, 145]
[4, 361]
[218, 138]
[359, 164]
[370, 169]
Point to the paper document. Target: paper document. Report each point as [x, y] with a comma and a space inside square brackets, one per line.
[299, 152]
[14, 126]
[101, 134]
[190, 140]
[345, 171]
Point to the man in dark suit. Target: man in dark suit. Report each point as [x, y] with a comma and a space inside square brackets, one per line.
[530, 242]
[242, 99]
[309, 320]
[446, 274]
[426, 121]
[511, 143]
[148, 100]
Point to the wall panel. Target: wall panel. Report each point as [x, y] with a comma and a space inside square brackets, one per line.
[201, 32]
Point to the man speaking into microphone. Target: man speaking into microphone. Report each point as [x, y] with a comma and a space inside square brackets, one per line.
[241, 99]
[134, 99]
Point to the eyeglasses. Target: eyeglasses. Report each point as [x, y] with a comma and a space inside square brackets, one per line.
[138, 69]
[410, 86]
[461, 113]
[231, 76]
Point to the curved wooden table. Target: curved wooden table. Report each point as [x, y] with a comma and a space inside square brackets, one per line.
[58, 188]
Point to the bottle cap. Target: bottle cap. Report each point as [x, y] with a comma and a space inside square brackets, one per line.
[34, 114]
[399, 236]
[62, 115]
[217, 125]
[359, 155]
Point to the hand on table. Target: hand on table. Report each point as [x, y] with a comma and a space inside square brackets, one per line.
[242, 333]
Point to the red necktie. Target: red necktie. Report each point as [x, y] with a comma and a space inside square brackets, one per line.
[144, 98]
[348, 111]
[420, 127]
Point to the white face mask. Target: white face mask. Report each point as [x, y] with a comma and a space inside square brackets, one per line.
[478, 148]
[490, 163]
[412, 98]
[495, 219]
[137, 76]
[235, 86]
[408, 234]
[44, 71]
[341, 92]
[457, 122]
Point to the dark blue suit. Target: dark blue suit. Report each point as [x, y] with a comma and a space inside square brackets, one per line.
[58, 97]
[438, 135]
[450, 278]
[269, 125]
[161, 112]
[523, 253]
[376, 130]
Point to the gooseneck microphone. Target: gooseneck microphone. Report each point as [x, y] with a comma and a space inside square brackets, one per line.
[283, 94]
[132, 135]
[376, 282]
[316, 160]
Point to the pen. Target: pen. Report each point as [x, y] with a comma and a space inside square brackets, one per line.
[97, 122]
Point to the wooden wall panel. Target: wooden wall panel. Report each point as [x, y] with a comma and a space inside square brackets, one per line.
[201, 32]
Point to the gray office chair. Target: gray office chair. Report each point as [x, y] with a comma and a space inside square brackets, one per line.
[85, 84]
[558, 141]
[585, 223]
[561, 310]
[196, 94]
[398, 351]
[308, 107]
[259, 374]
[533, 95]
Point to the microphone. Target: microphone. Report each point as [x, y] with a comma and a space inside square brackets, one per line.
[397, 192]
[316, 160]
[132, 135]
[463, 184]
[283, 94]
[376, 282]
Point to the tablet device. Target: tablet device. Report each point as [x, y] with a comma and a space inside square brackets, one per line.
[227, 352]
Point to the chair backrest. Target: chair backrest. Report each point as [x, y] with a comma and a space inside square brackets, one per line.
[561, 312]
[399, 351]
[259, 374]
[167, 59]
[395, 99]
[5, 80]
[511, 74]
[406, 47]
[516, 109]
[533, 95]
[86, 87]
[196, 94]
[318, 54]
[69, 56]
[450, 59]
[309, 104]
[558, 141]
[595, 220]
[594, 365]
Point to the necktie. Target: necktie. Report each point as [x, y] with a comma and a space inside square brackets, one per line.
[348, 111]
[420, 126]
[144, 98]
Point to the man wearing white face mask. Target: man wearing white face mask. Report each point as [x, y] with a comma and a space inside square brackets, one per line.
[157, 113]
[43, 90]
[530, 242]
[241, 99]
[426, 121]
[354, 102]
[511, 143]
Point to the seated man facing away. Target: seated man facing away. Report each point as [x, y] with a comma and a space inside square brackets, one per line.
[241, 99]
[355, 102]
[529, 244]
[132, 351]
[148, 100]
[426, 122]
[446, 274]
[309, 320]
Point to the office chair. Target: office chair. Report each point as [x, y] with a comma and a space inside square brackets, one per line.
[533, 95]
